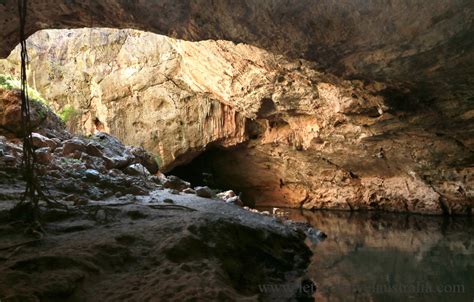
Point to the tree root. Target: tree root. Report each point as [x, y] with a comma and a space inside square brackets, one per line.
[171, 207]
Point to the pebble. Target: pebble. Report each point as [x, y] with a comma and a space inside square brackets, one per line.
[189, 191]
[203, 192]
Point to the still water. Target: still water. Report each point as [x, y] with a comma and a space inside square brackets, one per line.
[391, 257]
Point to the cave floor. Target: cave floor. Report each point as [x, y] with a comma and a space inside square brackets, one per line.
[140, 248]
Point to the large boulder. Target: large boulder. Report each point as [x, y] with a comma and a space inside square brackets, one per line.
[116, 153]
[137, 170]
[41, 141]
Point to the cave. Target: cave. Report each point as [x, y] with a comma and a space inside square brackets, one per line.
[216, 168]
[245, 150]
[202, 170]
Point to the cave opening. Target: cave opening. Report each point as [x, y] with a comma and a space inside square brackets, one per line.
[99, 126]
[217, 169]
[203, 171]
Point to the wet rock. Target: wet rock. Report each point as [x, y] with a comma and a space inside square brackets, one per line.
[3, 143]
[57, 141]
[205, 192]
[225, 239]
[168, 200]
[43, 156]
[137, 170]
[174, 182]
[92, 174]
[315, 233]
[41, 141]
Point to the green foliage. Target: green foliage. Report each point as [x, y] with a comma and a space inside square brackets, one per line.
[6, 82]
[158, 159]
[41, 109]
[9, 83]
[67, 113]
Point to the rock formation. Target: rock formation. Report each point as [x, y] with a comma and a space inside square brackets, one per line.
[299, 137]
[423, 44]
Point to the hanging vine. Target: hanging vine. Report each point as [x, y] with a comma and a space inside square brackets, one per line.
[33, 193]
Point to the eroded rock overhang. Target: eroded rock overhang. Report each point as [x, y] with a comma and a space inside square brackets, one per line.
[412, 41]
[301, 137]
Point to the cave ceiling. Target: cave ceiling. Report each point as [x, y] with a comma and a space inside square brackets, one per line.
[427, 46]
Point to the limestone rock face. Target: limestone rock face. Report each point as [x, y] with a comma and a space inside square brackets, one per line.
[293, 135]
[148, 90]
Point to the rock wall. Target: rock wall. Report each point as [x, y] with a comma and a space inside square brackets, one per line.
[295, 136]
[141, 87]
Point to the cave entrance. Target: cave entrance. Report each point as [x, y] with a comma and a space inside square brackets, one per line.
[202, 171]
[216, 168]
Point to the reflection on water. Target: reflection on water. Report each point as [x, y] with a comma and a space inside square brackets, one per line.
[391, 257]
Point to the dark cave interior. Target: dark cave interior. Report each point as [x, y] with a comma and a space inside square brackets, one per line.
[204, 170]
[214, 168]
